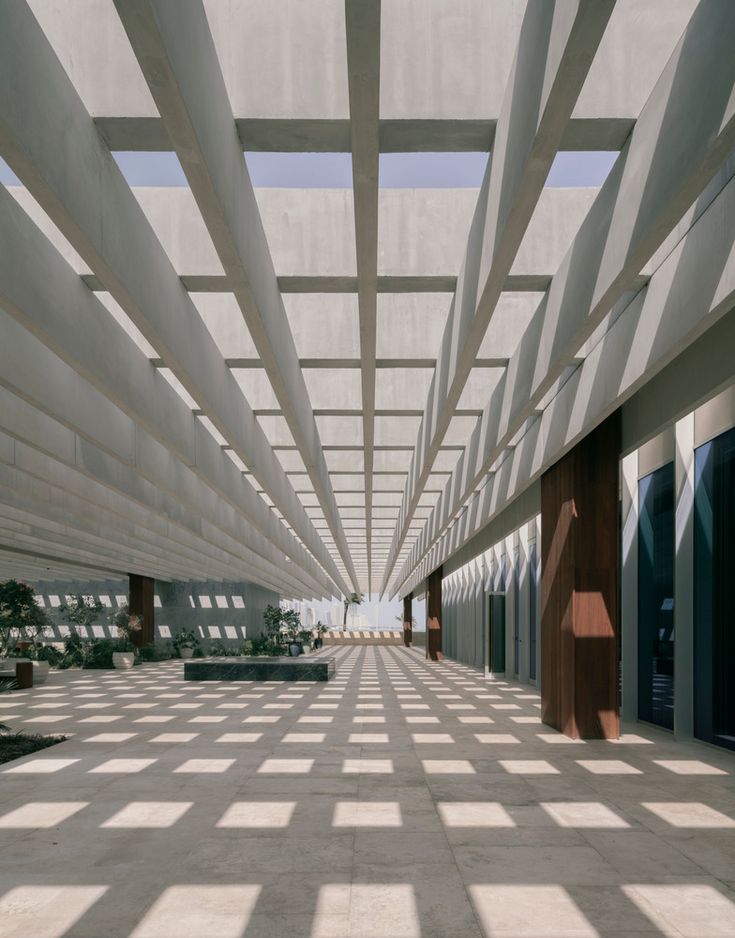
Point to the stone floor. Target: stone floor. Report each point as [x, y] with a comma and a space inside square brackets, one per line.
[401, 800]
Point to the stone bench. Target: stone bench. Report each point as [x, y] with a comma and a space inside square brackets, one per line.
[260, 669]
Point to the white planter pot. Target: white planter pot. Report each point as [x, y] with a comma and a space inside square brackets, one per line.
[40, 672]
[186, 652]
[124, 660]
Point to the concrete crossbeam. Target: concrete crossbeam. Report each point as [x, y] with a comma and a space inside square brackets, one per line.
[101, 352]
[126, 455]
[286, 60]
[422, 235]
[33, 488]
[70, 468]
[663, 168]
[80, 187]
[177, 56]
[556, 47]
[363, 72]
[315, 135]
[693, 288]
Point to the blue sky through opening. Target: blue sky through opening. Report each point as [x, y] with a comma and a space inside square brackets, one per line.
[334, 170]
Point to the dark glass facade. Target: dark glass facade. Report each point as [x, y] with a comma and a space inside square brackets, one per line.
[656, 597]
[532, 607]
[714, 591]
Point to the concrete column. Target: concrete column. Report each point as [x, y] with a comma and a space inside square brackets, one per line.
[407, 620]
[434, 615]
[629, 587]
[140, 603]
[579, 511]
[684, 579]
[524, 598]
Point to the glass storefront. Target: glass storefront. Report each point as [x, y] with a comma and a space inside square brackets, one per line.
[714, 591]
[532, 611]
[656, 597]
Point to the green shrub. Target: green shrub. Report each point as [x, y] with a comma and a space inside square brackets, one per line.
[247, 647]
[93, 655]
[156, 652]
[49, 653]
[218, 649]
[21, 618]
[98, 654]
[15, 745]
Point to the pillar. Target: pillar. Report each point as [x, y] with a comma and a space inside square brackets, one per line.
[407, 620]
[140, 603]
[684, 579]
[434, 615]
[629, 588]
[579, 584]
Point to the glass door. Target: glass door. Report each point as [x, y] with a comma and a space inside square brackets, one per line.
[714, 591]
[656, 597]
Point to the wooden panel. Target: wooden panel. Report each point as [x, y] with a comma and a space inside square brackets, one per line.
[140, 602]
[434, 616]
[407, 620]
[579, 548]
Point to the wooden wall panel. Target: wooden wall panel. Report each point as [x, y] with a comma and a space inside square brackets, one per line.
[434, 616]
[579, 549]
[140, 602]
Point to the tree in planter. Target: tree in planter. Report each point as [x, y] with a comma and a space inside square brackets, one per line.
[127, 624]
[354, 599]
[321, 631]
[281, 625]
[81, 612]
[21, 618]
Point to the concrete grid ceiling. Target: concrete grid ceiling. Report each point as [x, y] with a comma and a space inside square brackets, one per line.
[323, 390]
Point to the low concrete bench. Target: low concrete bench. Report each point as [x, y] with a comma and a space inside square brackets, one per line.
[21, 673]
[260, 669]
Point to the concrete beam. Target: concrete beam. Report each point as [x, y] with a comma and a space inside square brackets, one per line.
[64, 489]
[101, 352]
[685, 131]
[556, 46]
[111, 448]
[321, 135]
[362, 21]
[72, 497]
[140, 555]
[286, 60]
[71, 174]
[693, 288]
[177, 56]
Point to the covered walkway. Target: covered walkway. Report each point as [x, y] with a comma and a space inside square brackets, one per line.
[403, 800]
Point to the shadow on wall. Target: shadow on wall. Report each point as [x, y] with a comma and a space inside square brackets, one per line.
[226, 611]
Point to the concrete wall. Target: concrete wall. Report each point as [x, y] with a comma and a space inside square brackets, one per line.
[230, 611]
[439, 58]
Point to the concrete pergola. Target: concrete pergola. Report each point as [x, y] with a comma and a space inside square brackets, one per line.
[333, 391]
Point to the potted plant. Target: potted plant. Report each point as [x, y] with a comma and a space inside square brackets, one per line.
[282, 626]
[354, 599]
[185, 642]
[127, 624]
[123, 655]
[22, 623]
[291, 627]
[321, 630]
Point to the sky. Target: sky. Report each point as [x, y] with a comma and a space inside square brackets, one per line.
[334, 170]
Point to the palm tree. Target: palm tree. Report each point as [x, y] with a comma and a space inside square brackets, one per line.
[354, 599]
